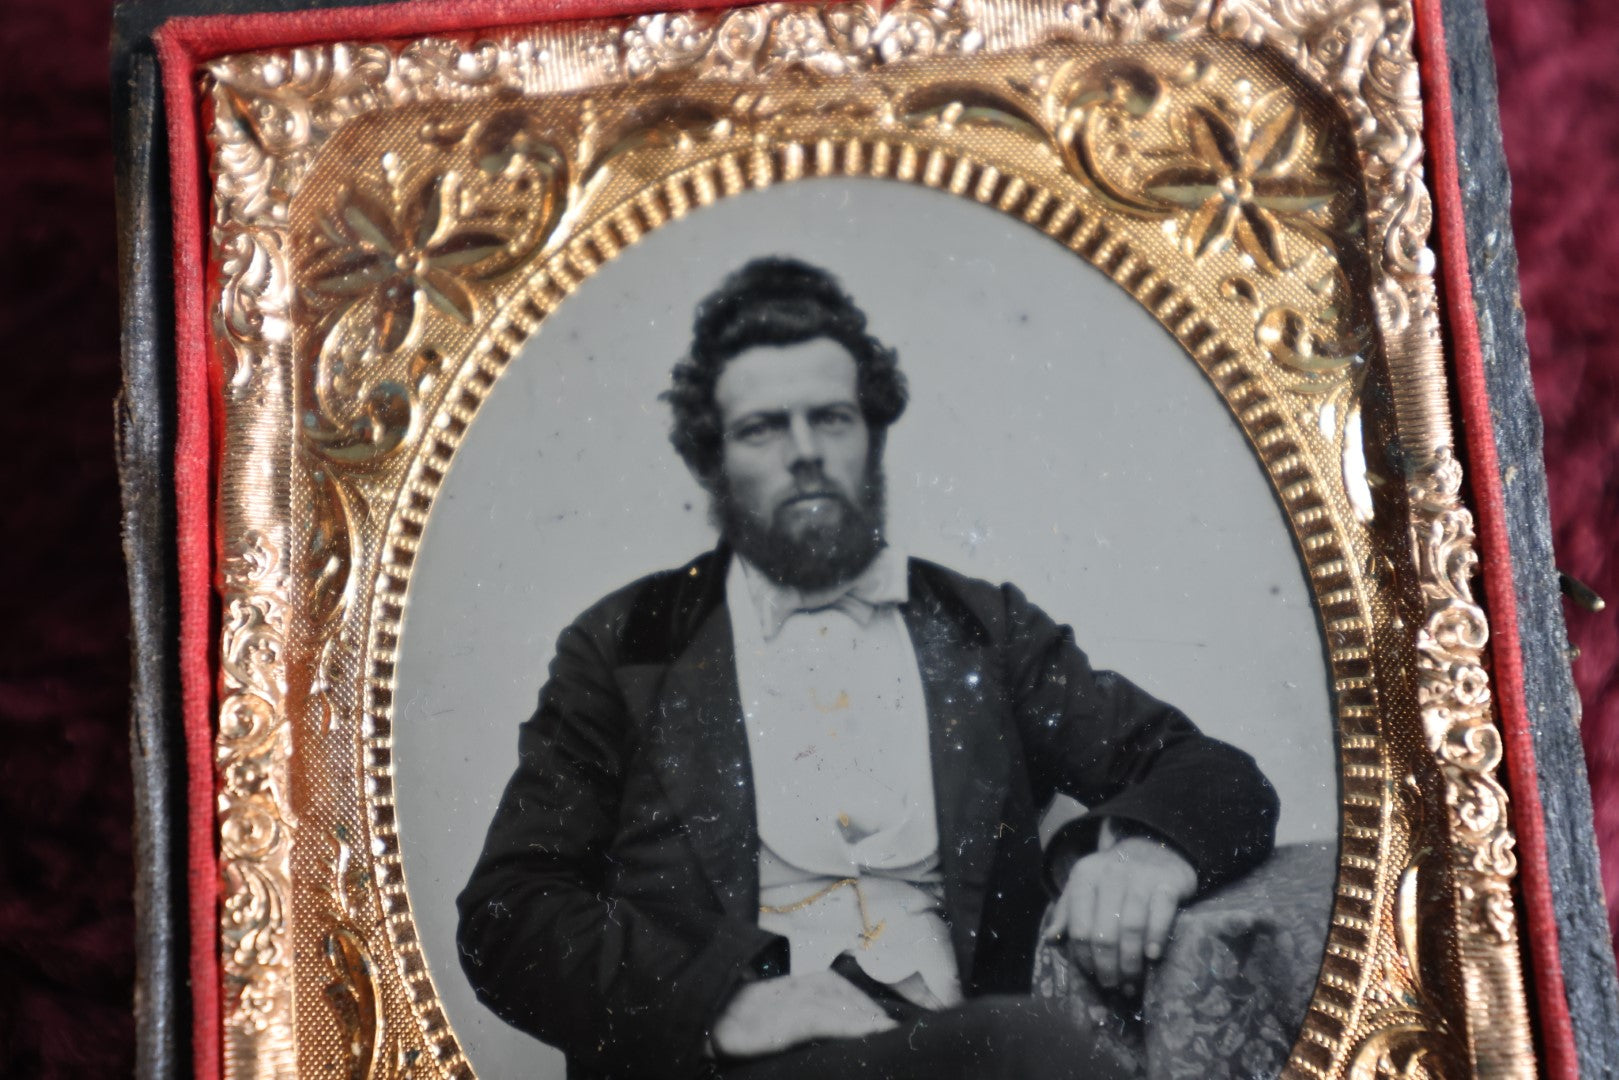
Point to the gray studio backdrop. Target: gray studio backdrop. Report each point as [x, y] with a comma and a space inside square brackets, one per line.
[1057, 437]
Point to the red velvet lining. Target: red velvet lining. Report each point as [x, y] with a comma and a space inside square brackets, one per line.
[203, 37]
[193, 488]
[1546, 972]
[185, 42]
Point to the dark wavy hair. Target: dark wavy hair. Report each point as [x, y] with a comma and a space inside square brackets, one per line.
[774, 301]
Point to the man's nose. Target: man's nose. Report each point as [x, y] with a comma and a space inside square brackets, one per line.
[805, 445]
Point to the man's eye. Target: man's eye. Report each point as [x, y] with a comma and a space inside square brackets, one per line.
[834, 419]
[758, 431]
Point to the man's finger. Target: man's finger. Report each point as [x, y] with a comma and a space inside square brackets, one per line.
[1161, 912]
[851, 1014]
[1133, 935]
[853, 1024]
[837, 1010]
[1076, 917]
[1081, 955]
[1104, 936]
[1076, 907]
[773, 1015]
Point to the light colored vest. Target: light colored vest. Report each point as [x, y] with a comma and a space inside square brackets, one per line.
[843, 778]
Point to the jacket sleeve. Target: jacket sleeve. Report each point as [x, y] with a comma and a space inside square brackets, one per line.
[1127, 756]
[619, 986]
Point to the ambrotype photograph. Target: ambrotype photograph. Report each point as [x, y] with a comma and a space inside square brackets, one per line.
[854, 638]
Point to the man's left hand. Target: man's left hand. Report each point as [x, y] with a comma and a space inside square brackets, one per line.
[1118, 907]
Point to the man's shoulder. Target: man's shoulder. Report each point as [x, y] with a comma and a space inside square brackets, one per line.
[995, 608]
[647, 620]
[666, 583]
[939, 577]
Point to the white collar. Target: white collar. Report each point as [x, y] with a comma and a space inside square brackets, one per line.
[884, 581]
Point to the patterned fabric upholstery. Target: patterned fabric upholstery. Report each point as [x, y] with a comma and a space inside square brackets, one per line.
[1230, 994]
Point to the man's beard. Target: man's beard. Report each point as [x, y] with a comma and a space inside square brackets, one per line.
[838, 542]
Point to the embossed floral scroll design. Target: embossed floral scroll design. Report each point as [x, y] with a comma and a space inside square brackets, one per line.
[403, 246]
[835, 39]
[389, 292]
[253, 797]
[391, 261]
[353, 987]
[1240, 173]
[1237, 174]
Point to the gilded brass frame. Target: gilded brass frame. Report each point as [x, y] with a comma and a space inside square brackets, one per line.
[392, 220]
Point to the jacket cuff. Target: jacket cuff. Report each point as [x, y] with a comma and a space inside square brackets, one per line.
[1068, 845]
[1083, 835]
[744, 955]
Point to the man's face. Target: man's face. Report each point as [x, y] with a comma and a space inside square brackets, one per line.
[799, 489]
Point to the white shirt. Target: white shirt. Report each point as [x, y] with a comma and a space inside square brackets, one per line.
[843, 776]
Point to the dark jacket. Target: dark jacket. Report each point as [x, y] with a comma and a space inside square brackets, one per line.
[614, 908]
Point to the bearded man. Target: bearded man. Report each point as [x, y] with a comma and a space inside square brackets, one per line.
[776, 816]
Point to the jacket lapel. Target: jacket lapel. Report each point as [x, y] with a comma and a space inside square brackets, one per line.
[691, 711]
[961, 682]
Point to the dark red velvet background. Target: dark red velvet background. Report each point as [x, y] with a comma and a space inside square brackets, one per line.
[66, 919]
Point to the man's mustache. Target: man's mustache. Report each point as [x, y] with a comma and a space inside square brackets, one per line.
[817, 494]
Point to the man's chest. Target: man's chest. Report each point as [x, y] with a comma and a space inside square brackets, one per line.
[839, 747]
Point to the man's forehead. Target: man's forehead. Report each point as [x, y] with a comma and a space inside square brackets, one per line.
[772, 377]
